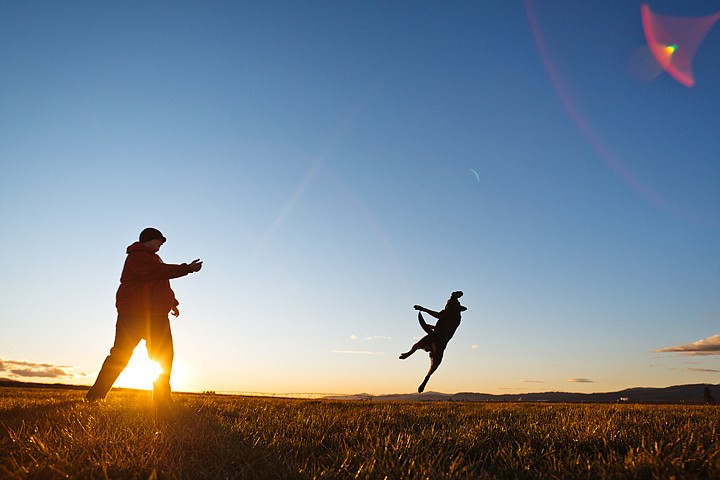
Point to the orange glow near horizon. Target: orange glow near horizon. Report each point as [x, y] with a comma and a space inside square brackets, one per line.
[140, 373]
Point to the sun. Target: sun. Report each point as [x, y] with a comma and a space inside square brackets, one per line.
[140, 372]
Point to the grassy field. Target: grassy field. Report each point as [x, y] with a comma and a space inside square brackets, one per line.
[53, 434]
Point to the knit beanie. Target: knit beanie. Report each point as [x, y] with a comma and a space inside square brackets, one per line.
[151, 234]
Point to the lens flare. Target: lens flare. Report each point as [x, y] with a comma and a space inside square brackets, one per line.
[673, 41]
[591, 135]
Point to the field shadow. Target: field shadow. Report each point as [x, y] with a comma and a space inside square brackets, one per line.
[16, 415]
[200, 437]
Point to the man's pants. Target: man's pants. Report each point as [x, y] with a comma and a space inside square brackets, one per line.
[128, 333]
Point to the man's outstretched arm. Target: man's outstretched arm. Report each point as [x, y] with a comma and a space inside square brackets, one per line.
[151, 269]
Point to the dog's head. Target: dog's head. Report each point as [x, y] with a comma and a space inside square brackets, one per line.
[453, 303]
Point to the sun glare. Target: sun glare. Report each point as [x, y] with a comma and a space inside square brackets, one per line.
[140, 373]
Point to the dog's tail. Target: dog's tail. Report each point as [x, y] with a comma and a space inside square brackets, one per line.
[424, 325]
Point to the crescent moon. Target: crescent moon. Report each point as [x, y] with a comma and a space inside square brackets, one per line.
[477, 177]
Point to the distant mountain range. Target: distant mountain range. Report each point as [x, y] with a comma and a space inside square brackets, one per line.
[687, 394]
[7, 382]
[696, 393]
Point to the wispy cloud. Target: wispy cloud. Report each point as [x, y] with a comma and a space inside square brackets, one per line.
[580, 380]
[21, 368]
[533, 381]
[369, 338]
[706, 346]
[356, 352]
[706, 370]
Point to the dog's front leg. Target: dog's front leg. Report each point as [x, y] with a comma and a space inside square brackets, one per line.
[427, 310]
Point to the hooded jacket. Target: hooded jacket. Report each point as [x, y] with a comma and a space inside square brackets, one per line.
[145, 283]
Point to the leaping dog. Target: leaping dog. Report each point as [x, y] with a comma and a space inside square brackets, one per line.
[438, 336]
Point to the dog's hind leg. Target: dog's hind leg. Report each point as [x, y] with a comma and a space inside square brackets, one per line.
[405, 355]
[414, 349]
[424, 343]
[435, 359]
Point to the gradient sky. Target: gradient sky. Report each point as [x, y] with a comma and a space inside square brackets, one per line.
[334, 163]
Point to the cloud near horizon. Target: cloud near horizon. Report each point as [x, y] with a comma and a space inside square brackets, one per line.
[356, 352]
[369, 338]
[580, 380]
[706, 346]
[21, 368]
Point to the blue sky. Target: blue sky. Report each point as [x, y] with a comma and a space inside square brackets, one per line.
[335, 163]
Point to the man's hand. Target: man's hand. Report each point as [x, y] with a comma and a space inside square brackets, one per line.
[195, 265]
[175, 311]
[418, 307]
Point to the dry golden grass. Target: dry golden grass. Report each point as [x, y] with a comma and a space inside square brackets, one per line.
[53, 434]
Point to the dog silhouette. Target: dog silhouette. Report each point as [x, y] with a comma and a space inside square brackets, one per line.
[438, 335]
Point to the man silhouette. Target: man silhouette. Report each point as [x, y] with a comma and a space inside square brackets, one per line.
[144, 300]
